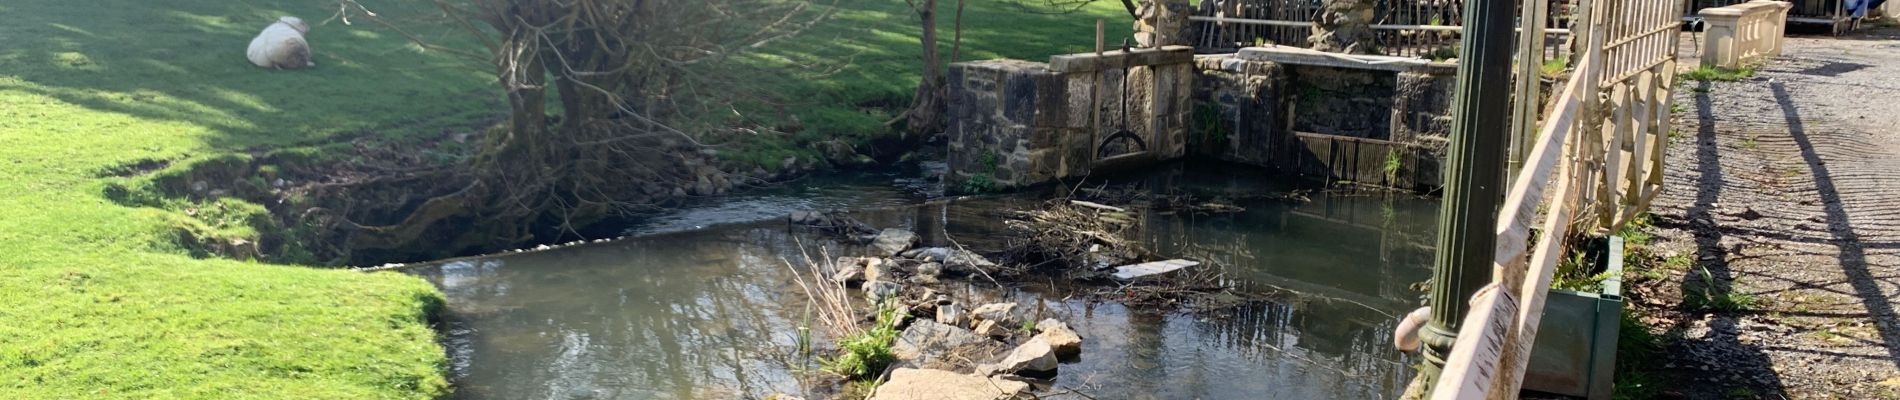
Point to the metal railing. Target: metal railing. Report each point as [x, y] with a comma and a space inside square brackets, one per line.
[1599, 154]
[1406, 28]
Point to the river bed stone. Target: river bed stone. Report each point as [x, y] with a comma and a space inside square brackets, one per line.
[913, 384]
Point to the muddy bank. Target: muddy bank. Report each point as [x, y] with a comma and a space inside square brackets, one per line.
[326, 204]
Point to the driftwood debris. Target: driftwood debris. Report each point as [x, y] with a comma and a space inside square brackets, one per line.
[1072, 235]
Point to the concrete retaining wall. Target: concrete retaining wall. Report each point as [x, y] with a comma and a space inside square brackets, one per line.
[1364, 119]
[1019, 123]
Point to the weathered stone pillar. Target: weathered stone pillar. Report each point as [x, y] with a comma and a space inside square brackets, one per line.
[1162, 23]
[1343, 26]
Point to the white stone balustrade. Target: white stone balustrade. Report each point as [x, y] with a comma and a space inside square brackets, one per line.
[1742, 34]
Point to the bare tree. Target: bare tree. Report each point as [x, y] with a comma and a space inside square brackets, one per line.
[620, 70]
[926, 114]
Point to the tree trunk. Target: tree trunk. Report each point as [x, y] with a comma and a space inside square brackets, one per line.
[926, 111]
[524, 78]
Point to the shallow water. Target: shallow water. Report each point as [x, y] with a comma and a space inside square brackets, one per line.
[701, 305]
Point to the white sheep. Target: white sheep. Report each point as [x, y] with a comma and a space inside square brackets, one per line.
[281, 45]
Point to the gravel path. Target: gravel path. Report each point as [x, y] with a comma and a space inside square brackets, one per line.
[1784, 189]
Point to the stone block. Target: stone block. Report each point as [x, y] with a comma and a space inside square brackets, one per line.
[1019, 98]
[1341, 101]
[1077, 152]
[1421, 106]
[1080, 108]
[1052, 101]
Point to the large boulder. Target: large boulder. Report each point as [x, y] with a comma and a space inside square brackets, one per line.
[925, 341]
[936, 384]
[892, 241]
[1033, 357]
[1066, 343]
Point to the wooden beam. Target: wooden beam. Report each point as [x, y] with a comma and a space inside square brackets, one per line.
[1535, 289]
[1527, 190]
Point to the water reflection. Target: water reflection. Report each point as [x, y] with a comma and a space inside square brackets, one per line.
[711, 313]
[697, 315]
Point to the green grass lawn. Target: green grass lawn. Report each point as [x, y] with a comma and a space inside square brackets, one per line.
[846, 77]
[98, 299]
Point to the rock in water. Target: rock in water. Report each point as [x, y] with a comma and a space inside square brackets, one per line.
[879, 291]
[936, 384]
[931, 254]
[805, 218]
[849, 271]
[949, 314]
[929, 269]
[967, 262]
[892, 241]
[1004, 313]
[989, 328]
[875, 269]
[963, 261]
[925, 340]
[1066, 343]
[1033, 356]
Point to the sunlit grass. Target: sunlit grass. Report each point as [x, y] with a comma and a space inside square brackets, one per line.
[848, 76]
[1706, 73]
[98, 298]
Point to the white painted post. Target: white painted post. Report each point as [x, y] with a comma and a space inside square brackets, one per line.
[1718, 48]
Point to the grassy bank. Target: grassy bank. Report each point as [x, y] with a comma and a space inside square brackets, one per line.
[99, 295]
[99, 299]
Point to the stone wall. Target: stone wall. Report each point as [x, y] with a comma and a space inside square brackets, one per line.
[1020, 123]
[1008, 126]
[1369, 119]
[1238, 112]
[1365, 119]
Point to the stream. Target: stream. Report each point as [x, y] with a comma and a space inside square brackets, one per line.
[700, 303]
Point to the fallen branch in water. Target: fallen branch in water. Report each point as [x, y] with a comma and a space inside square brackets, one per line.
[1098, 206]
